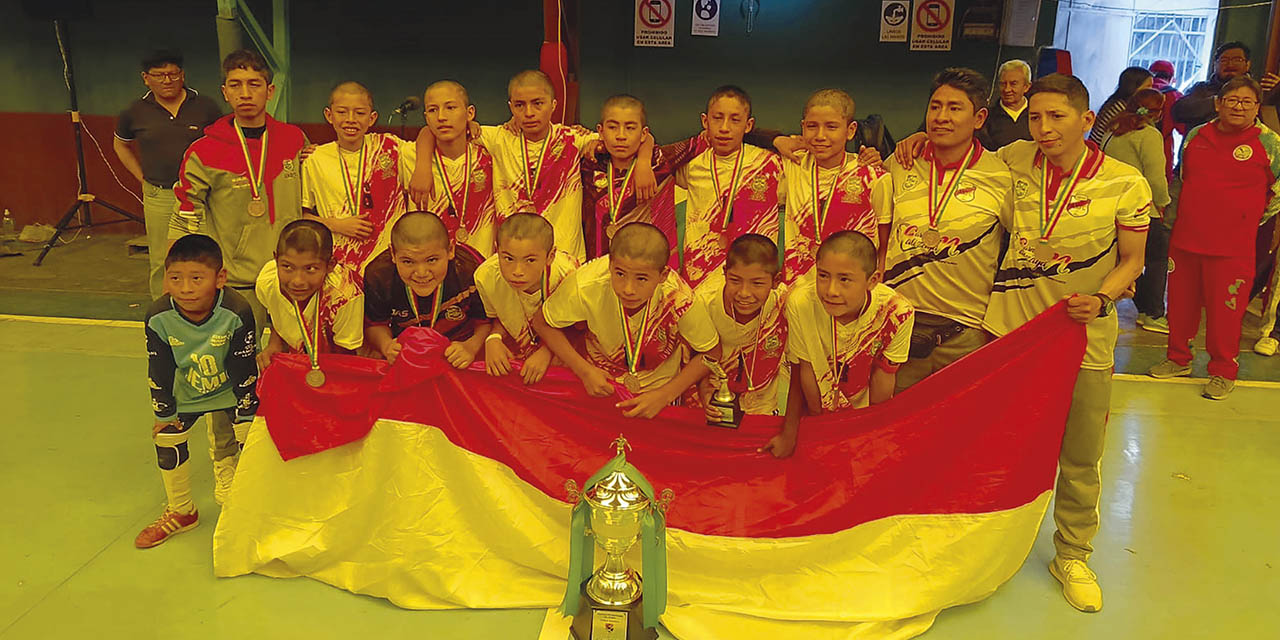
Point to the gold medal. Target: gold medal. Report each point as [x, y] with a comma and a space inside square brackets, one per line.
[1043, 252]
[462, 235]
[257, 208]
[723, 240]
[632, 382]
[315, 378]
[932, 238]
[611, 230]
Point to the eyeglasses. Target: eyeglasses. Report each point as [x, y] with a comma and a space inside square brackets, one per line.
[1244, 103]
[171, 77]
[1233, 59]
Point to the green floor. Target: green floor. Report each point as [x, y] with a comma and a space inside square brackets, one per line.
[1187, 550]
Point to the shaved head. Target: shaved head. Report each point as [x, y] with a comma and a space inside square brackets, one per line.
[448, 84]
[527, 226]
[351, 87]
[852, 244]
[418, 228]
[531, 78]
[641, 241]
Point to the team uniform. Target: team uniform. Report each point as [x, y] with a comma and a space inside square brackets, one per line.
[752, 353]
[942, 249]
[196, 369]
[337, 183]
[1080, 252]
[241, 195]
[512, 307]
[843, 197]
[1229, 188]
[728, 196]
[842, 355]
[541, 177]
[339, 306]
[462, 195]
[454, 310]
[659, 334]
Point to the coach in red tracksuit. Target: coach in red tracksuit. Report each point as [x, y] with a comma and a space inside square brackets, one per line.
[1230, 167]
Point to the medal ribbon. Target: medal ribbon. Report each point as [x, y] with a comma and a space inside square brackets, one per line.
[256, 186]
[353, 192]
[310, 341]
[1048, 222]
[466, 185]
[937, 207]
[616, 205]
[631, 351]
[755, 349]
[435, 304]
[820, 210]
[726, 199]
[531, 180]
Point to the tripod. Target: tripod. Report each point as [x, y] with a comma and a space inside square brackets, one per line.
[84, 197]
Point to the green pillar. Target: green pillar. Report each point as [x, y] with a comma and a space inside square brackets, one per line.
[236, 23]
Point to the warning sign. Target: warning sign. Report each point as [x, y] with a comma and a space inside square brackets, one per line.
[706, 18]
[655, 26]
[932, 22]
[893, 20]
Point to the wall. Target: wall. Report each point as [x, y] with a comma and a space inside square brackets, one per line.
[397, 48]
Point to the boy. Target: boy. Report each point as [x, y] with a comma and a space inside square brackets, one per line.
[200, 346]
[513, 284]
[353, 185]
[536, 162]
[314, 303]
[941, 226]
[424, 279]
[733, 188]
[1077, 232]
[462, 188]
[848, 335]
[827, 188]
[639, 316]
[240, 183]
[745, 303]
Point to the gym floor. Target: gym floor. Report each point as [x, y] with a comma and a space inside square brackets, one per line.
[1186, 549]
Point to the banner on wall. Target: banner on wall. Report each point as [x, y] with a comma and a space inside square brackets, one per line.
[932, 22]
[894, 20]
[655, 23]
[706, 17]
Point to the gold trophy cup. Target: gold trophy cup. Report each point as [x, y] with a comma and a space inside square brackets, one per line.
[724, 401]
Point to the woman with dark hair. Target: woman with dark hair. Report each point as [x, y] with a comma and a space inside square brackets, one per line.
[1135, 140]
[1132, 80]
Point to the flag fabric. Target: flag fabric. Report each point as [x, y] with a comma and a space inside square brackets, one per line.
[437, 488]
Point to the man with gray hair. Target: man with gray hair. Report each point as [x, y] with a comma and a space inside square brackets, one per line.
[1007, 120]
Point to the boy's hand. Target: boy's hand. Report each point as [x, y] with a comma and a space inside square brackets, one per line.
[306, 152]
[590, 149]
[392, 351]
[357, 227]
[597, 383]
[473, 129]
[510, 126]
[1083, 308]
[497, 358]
[870, 157]
[645, 405]
[458, 355]
[264, 357]
[535, 366]
[420, 186]
[910, 148]
[781, 445]
[704, 393]
[646, 183]
[1269, 81]
[787, 146]
[161, 424]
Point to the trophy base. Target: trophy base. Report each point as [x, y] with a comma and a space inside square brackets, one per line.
[596, 621]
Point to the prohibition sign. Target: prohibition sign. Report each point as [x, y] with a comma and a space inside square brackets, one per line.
[655, 14]
[933, 16]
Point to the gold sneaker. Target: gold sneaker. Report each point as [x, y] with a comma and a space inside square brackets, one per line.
[1079, 584]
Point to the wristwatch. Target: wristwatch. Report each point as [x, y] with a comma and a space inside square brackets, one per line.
[1108, 305]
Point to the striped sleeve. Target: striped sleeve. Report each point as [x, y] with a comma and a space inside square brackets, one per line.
[1271, 143]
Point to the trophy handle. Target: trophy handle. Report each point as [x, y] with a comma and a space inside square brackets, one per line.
[664, 500]
[571, 488]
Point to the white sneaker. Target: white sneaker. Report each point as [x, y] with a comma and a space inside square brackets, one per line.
[224, 472]
[1266, 346]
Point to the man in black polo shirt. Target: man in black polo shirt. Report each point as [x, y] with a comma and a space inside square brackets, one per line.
[163, 122]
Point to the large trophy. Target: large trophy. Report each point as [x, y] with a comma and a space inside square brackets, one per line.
[723, 400]
[617, 508]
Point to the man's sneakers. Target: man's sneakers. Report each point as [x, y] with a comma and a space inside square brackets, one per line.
[1169, 369]
[224, 472]
[169, 523]
[1266, 346]
[1218, 388]
[1079, 584]
[1154, 325]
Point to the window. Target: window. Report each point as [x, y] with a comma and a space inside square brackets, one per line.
[1181, 38]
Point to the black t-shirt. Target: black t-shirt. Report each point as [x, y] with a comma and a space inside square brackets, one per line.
[163, 138]
[386, 299]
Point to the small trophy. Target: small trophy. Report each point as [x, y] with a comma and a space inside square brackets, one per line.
[617, 509]
[724, 401]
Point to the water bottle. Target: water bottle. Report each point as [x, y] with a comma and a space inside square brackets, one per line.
[8, 224]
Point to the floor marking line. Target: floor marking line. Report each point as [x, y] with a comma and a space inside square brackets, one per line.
[1253, 384]
[91, 322]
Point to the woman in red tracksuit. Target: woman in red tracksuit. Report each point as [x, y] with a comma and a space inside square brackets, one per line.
[1230, 167]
